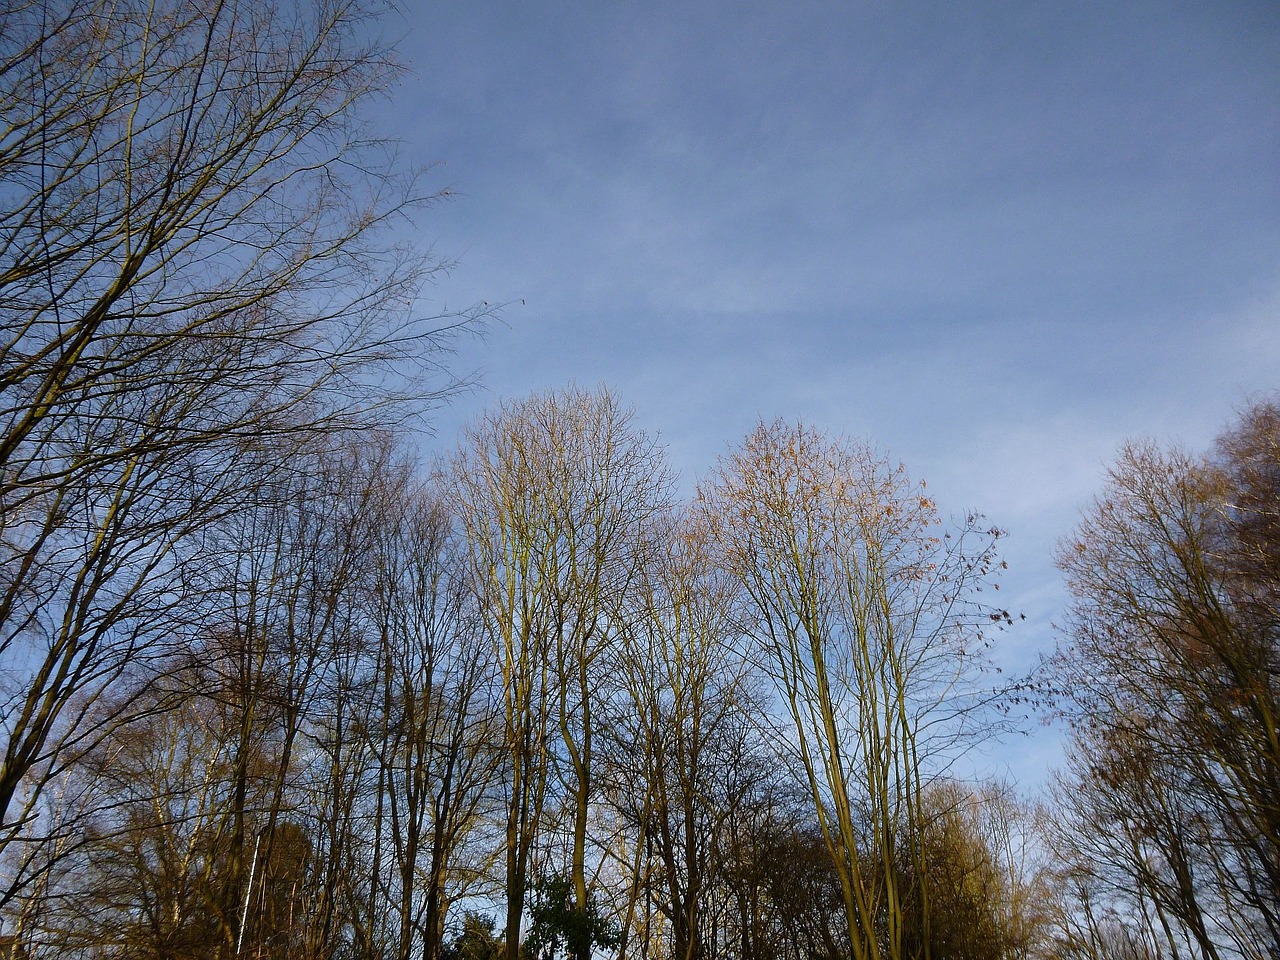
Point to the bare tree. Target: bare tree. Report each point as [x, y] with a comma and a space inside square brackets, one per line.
[1172, 679]
[436, 732]
[685, 754]
[861, 604]
[556, 494]
[190, 281]
[338, 720]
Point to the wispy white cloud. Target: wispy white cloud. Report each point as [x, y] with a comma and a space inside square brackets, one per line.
[995, 239]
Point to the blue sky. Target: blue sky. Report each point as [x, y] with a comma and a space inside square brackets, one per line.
[995, 239]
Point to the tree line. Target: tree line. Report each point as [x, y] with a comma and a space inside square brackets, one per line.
[271, 688]
[530, 703]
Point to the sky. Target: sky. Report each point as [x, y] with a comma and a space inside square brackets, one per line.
[994, 239]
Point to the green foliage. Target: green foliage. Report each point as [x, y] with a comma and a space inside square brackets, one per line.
[559, 924]
[477, 941]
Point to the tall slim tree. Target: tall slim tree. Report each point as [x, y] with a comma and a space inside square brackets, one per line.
[861, 602]
[557, 494]
[686, 755]
[435, 732]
